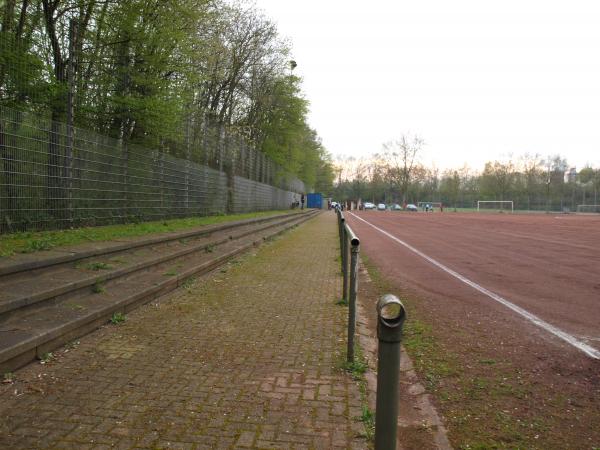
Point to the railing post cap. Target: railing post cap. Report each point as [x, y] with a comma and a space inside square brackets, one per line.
[391, 315]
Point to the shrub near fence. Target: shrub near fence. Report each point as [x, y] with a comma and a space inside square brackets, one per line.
[51, 178]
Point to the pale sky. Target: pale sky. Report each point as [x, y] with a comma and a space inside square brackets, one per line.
[477, 80]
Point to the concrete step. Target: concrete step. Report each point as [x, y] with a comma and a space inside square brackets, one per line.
[53, 281]
[27, 333]
[27, 262]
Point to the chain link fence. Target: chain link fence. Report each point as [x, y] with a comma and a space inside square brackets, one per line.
[55, 176]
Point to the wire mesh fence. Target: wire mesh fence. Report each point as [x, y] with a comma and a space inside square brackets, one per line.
[57, 176]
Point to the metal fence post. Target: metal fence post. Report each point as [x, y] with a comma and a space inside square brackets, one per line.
[354, 250]
[390, 318]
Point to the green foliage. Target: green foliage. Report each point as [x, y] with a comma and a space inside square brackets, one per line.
[46, 358]
[154, 73]
[356, 368]
[8, 378]
[188, 283]
[117, 318]
[532, 183]
[96, 266]
[368, 419]
[28, 242]
[36, 245]
[98, 288]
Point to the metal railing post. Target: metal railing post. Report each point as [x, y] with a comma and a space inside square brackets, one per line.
[354, 251]
[345, 263]
[390, 318]
[341, 229]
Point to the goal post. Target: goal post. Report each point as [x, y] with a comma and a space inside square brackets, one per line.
[432, 205]
[588, 208]
[495, 205]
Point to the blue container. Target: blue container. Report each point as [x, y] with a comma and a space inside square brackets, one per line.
[314, 201]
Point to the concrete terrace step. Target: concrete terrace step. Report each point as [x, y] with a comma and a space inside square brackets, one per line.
[27, 262]
[28, 333]
[24, 289]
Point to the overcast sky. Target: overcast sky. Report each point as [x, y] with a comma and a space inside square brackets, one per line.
[477, 80]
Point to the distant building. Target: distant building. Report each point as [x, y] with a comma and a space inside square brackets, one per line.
[570, 175]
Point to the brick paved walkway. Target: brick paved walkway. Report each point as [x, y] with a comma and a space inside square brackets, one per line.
[246, 357]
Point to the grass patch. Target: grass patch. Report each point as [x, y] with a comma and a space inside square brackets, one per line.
[170, 273]
[98, 288]
[8, 378]
[430, 358]
[117, 318]
[357, 370]
[29, 242]
[117, 260]
[35, 245]
[74, 306]
[367, 417]
[188, 283]
[46, 358]
[95, 266]
[488, 362]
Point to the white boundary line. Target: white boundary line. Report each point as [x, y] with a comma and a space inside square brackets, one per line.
[582, 346]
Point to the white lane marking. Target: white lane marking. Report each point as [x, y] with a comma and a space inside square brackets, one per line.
[587, 349]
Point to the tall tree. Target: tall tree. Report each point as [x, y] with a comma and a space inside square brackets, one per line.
[400, 157]
[497, 179]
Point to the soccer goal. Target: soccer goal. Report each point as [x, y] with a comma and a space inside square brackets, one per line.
[432, 205]
[588, 208]
[495, 205]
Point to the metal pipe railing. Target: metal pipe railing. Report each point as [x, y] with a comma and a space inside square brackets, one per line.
[350, 249]
[390, 318]
[391, 315]
[354, 243]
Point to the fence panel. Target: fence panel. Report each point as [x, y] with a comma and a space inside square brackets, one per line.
[51, 181]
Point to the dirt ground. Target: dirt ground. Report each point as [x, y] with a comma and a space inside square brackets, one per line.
[499, 380]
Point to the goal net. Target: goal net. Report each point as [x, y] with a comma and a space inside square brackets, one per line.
[432, 205]
[495, 205]
[588, 208]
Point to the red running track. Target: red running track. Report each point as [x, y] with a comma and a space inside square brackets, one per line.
[548, 265]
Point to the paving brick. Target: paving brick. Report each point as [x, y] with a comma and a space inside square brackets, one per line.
[244, 358]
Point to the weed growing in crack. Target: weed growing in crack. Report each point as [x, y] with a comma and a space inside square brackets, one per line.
[367, 417]
[46, 358]
[188, 283]
[356, 368]
[117, 318]
[98, 288]
[8, 378]
[96, 266]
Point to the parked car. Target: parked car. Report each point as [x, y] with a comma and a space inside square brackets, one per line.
[369, 205]
[381, 207]
[396, 207]
[411, 207]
